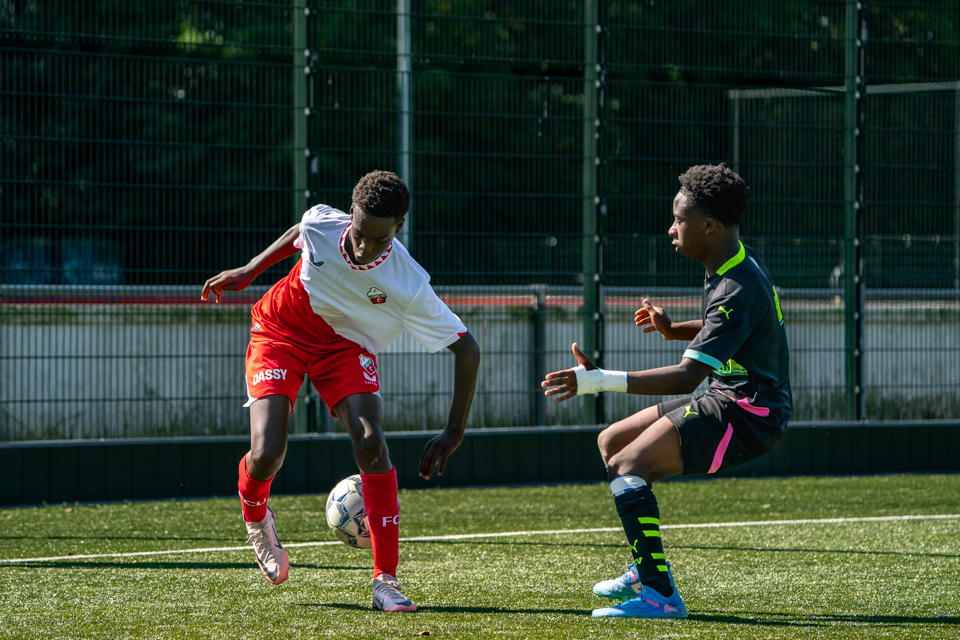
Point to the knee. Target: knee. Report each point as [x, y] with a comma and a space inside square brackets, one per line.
[267, 459]
[605, 444]
[370, 451]
[612, 440]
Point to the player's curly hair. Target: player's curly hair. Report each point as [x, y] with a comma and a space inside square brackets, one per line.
[718, 190]
[382, 194]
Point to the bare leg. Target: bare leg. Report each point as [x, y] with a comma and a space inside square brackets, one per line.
[655, 454]
[268, 445]
[268, 436]
[361, 414]
[614, 438]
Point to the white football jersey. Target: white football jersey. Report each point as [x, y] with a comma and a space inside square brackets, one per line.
[370, 304]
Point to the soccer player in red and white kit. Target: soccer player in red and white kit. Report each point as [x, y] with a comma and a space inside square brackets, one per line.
[353, 291]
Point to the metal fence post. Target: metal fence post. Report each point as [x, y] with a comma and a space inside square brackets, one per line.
[538, 408]
[853, 271]
[301, 109]
[404, 71]
[956, 189]
[734, 102]
[592, 312]
[303, 420]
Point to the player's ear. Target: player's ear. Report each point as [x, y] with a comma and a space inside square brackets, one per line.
[399, 224]
[709, 225]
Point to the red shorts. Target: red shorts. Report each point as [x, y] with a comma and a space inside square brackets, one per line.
[337, 368]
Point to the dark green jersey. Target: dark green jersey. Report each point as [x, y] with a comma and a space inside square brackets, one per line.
[743, 338]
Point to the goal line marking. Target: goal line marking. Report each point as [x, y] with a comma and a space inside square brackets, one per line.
[504, 534]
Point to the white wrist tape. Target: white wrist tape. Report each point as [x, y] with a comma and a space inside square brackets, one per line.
[599, 380]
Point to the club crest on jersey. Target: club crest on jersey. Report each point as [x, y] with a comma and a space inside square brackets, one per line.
[376, 296]
[369, 366]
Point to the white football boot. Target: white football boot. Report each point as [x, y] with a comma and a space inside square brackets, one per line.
[387, 595]
[271, 557]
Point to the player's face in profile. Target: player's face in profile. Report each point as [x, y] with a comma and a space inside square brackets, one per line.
[687, 229]
[370, 236]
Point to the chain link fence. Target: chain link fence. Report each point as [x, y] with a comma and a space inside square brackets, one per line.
[146, 146]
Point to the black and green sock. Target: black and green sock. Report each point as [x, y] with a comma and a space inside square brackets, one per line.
[641, 522]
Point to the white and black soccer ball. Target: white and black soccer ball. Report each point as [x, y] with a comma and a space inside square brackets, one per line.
[346, 515]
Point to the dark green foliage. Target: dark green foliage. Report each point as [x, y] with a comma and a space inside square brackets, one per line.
[167, 128]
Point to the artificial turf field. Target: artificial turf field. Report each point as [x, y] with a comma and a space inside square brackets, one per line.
[861, 579]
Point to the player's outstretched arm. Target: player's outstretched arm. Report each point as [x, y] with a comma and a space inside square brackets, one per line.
[659, 321]
[242, 277]
[587, 378]
[466, 352]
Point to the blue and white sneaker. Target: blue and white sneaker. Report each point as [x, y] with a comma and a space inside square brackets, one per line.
[626, 586]
[649, 604]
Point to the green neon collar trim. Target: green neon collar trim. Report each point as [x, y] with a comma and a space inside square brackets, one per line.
[732, 262]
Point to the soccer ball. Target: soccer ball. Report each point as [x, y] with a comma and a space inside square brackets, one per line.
[346, 515]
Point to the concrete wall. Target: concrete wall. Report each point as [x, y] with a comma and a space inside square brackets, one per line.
[98, 371]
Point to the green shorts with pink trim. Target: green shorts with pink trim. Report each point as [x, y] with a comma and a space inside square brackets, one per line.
[720, 430]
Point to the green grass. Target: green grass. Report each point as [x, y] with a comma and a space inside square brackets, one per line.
[892, 579]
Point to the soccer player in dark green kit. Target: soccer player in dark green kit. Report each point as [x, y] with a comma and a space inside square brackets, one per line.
[739, 343]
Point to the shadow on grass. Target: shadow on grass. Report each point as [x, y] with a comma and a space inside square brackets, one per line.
[96, 536]
[753, 618]
[357, 607]
[766, 619]
[787, 620]
[80, 564]
[817, 551]
[217, 540]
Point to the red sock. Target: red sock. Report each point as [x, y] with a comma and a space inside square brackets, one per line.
[253, 494]
[383, 517]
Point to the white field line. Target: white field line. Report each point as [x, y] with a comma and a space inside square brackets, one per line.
[506, 534]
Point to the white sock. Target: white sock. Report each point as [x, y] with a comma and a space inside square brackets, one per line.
[622, 484]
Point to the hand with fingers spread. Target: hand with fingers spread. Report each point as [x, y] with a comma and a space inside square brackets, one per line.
[438, 451]
[658, 320]
[655, 317]
[564, 383]
[232, 280]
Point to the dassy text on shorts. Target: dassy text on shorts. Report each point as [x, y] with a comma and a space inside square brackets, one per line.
[269, 374]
